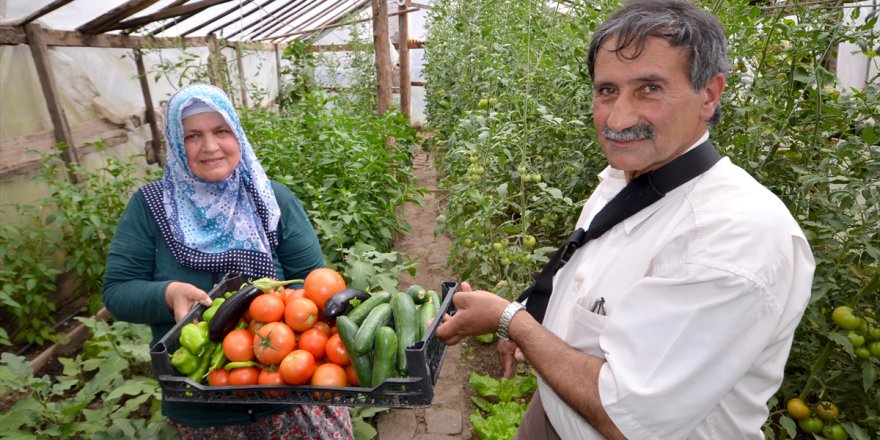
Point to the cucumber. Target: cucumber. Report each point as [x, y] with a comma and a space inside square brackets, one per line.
[406, 321]
[418, 294]
[435, 298]
[378, 317]
[363, 366]
[427, 311]
[384, 352]
[359, 313]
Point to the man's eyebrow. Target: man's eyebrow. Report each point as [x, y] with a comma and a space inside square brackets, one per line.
[650, 79]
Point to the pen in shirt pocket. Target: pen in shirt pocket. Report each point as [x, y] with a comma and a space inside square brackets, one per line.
[598, 306]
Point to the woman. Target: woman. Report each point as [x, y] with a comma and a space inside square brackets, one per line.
[214, 212]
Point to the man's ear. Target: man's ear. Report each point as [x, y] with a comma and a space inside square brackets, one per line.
[712, 95]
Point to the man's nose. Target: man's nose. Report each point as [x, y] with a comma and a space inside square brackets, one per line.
[623, 114]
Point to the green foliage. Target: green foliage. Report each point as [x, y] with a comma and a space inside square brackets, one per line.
[97, 394]
[511, 139]
[509, 100]
[371, 270]
[76, 222]
[500, 404]
[350, 178]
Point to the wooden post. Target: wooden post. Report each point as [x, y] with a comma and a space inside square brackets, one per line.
[242, 84]
[403, 52]
[40, 52]
[154, 153]
[277, 72]
[383, 55]
[213, 64]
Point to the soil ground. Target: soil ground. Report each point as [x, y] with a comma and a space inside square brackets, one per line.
[447, 417]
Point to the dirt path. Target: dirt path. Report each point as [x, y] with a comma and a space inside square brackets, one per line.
[447, 417]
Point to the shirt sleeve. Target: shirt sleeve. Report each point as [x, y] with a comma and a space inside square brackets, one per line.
[676, 352]
[299, 250]
[130, 294]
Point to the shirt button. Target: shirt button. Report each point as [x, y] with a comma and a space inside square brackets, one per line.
[577, 285]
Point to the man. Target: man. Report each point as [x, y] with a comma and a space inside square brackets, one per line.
[677, 322]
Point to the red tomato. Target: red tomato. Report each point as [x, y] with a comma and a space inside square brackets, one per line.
[297, 367]
[254, 326]
[277, 292]
[238, 345]
[329, 375]
[218, 378]
[272, 378]
[267, 308]
[336, 352]
[301, 314]
[314, 341]
[324, 327]
[272, 342]
[290, 294]
[321, 284]
[244, 376]
[351, 375]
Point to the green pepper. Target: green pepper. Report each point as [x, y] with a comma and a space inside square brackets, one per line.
[240, 364]
[218, 358]
[204, 362]
[194, 337]
[184, 361]
[209, 312]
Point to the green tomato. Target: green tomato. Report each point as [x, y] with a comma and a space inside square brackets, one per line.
[529, 241]
[483, 103]
[874, 332]
[856, 339]
[536, 177]
[843, 316]
[834, 432]
[862, 353]
[473, 159]
[811, 425]
[521, 170]
[493, 101]
[505, 261]
[874, 348]
[497, 247]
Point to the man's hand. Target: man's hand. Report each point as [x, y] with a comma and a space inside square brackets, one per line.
[508, 356]
[476, 313]
[182, 297]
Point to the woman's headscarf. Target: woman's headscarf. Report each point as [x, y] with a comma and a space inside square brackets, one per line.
[225, 226]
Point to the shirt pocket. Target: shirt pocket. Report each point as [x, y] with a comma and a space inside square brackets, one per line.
[585, 328]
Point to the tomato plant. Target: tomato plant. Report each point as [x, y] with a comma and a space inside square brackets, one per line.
[297, 367]
[273, 342]
[238, 345]
[321, 284]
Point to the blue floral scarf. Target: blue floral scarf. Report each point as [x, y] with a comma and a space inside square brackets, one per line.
[224, 226]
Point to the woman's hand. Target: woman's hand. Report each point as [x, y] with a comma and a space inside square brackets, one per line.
[182, 297]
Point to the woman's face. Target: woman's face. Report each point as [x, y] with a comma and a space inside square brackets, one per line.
[212, 150]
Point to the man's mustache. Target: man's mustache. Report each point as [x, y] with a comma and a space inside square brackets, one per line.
[634, 133]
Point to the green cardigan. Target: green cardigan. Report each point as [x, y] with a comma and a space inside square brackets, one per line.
[140, 266]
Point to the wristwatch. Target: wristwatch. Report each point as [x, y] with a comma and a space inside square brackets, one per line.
[506, 317]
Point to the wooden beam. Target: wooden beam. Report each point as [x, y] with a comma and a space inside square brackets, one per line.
[335, 18]
[277, 71]
[193, 8]
[42, 11]
[113, 16]
[383, 55]
[283, 18]
[403, 59]
[40, 52]
[242, 84]
[331, 26]
[156, 31]
[154, 152]
[242, 17]
[223, 14]
[12, 35]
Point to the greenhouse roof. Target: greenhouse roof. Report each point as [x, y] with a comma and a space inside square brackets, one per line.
[125, 23]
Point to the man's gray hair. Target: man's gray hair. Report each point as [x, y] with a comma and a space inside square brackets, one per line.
[680, 23]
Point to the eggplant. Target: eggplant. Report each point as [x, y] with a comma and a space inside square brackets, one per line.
[230, 312]
[339, 303]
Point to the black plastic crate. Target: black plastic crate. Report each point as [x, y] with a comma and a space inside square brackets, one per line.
[423, 359]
